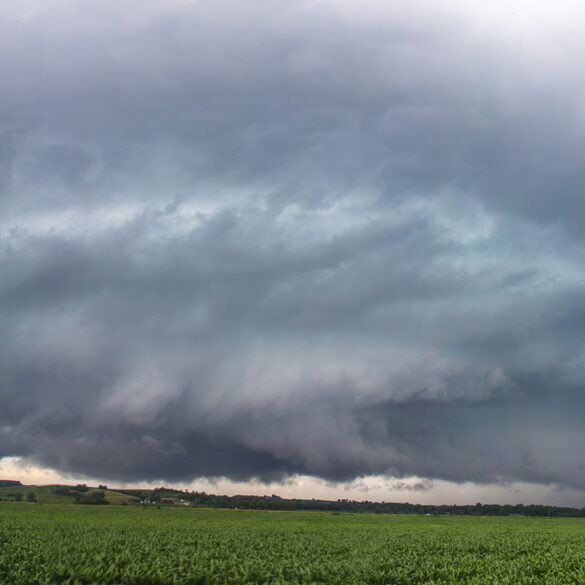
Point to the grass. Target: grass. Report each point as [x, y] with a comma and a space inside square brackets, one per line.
[45, 494]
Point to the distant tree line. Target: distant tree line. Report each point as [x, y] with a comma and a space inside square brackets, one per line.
[273, 502]
[94, 498]
[82, 494]
[9, 482]
[18, 496]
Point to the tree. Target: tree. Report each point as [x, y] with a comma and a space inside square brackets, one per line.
[31, 497]
[95, 498]
[18, 496]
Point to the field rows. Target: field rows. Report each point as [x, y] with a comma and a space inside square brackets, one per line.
[46, 544]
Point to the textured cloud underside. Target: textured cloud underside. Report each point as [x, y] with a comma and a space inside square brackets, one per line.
[307, 240]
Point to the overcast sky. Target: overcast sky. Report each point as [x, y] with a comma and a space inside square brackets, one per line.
[265, 241]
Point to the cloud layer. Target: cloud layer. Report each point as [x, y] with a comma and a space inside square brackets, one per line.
[324, 239]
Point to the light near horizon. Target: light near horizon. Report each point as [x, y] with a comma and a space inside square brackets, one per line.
[322, 248]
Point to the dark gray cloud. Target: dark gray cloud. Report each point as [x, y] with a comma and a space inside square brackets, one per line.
[249, 242]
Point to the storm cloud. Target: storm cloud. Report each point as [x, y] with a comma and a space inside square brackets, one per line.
[332, 239]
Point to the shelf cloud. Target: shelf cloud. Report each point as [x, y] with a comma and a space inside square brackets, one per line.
[330, 239]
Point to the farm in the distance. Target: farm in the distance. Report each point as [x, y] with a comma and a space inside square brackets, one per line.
[56, 543]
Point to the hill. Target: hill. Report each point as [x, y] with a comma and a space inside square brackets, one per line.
[165, 496]
[62, 494]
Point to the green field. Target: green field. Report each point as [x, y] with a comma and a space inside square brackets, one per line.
[51, 543]
[45, 494]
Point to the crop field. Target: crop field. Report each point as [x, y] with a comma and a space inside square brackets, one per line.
[52, 543]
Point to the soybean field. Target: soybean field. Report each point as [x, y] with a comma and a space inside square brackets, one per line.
[83, 545]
